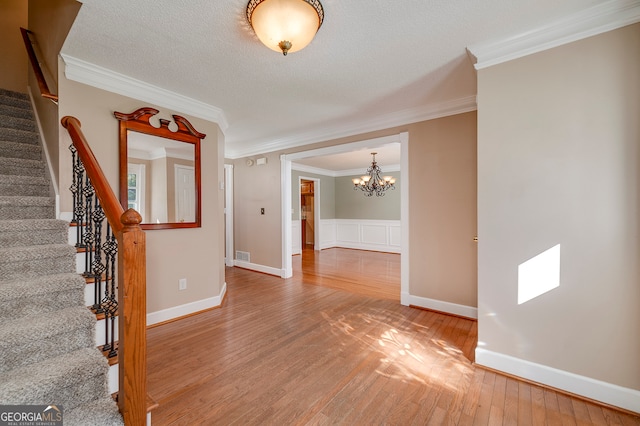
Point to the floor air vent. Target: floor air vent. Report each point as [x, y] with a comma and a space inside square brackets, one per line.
[243, 256]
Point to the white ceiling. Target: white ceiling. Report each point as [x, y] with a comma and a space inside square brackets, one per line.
[356, 161]
[373, 64]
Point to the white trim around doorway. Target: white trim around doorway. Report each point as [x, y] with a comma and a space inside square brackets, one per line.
[285, 170]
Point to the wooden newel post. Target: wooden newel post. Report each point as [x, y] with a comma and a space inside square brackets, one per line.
[132, 288]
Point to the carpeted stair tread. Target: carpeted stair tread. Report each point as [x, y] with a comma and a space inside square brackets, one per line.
[40, 295]
[12, 149]
[28, 232]
[102, 412]
[13, 207]
[21, 167]
[70, 379]
[13, 111]
[18, 123]
[31, 339]
[9, 134]
[33, 261]
[24, 185]
[14, 94]
[15, 99]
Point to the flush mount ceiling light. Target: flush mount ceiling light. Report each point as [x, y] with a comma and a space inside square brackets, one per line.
[285, 25]
[372, 182]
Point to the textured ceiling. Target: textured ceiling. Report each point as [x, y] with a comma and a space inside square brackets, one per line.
[371, 61]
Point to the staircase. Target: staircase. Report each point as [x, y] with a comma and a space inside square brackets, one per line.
[48, 353]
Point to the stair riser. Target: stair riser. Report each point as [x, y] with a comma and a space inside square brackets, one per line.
[15, 168]
[20, 136]
[15, 102]
[18, 123]
[11, 111]
[14, 152]
[32, 237]
[24, 190]
[26, 212]
[101, 332]
[52, 265]
[31, 351]
[40, 305]
[69, 392]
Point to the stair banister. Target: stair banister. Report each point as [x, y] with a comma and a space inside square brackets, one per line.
[37, 70]
[132, 310]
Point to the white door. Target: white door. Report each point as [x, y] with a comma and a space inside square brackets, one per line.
[185, 194]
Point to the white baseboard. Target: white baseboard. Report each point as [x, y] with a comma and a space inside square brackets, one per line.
[628, 399]
[447, 307]
[259, 268]
[186, 309]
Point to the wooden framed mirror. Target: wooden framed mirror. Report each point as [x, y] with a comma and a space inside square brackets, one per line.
[160, 169]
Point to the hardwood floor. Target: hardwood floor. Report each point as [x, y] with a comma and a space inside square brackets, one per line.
[368, 273]
[307, 351]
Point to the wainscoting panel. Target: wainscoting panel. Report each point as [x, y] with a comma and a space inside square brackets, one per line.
[296, 238]
[347, 232]
[327, 233]
[395, 238]
[374, 235]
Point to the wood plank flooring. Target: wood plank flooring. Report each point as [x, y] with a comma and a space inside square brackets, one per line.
[317, 349]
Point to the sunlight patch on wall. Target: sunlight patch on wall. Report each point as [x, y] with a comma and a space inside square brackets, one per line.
[539, 274]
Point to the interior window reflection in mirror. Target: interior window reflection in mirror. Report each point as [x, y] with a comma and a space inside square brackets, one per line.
[161, 179]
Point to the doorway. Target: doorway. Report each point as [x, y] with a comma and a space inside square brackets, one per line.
[307, 214]
[287, 187]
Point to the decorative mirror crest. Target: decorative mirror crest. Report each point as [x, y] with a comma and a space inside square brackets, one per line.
[160, 169]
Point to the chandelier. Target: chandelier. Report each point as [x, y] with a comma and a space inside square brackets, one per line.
[372, 182]
[285, 25]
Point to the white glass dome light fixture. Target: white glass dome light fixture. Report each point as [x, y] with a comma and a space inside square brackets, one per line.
[285, 25]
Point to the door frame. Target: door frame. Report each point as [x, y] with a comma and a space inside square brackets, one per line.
[316, 210]
[228, 214]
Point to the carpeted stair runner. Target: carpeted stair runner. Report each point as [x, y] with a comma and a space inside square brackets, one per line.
[47, 344]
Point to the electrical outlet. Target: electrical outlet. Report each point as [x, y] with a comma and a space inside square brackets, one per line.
[182, 284]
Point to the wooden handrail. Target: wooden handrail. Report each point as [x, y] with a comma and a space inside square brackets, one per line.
[132, 309]
[110, 204]
[37, 70]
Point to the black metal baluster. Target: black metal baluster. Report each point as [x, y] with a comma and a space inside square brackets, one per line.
[98, 265]
[100, 253]
[76, 191]
[110, 302]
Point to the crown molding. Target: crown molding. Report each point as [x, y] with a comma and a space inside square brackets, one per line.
[595, 20]
[386, 121]
[103, 78]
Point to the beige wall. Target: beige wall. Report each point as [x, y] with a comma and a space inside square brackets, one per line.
[558, 163]
[255, 187]
[13, 66]
[50, 21]
[442, 207]
[196, 254]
